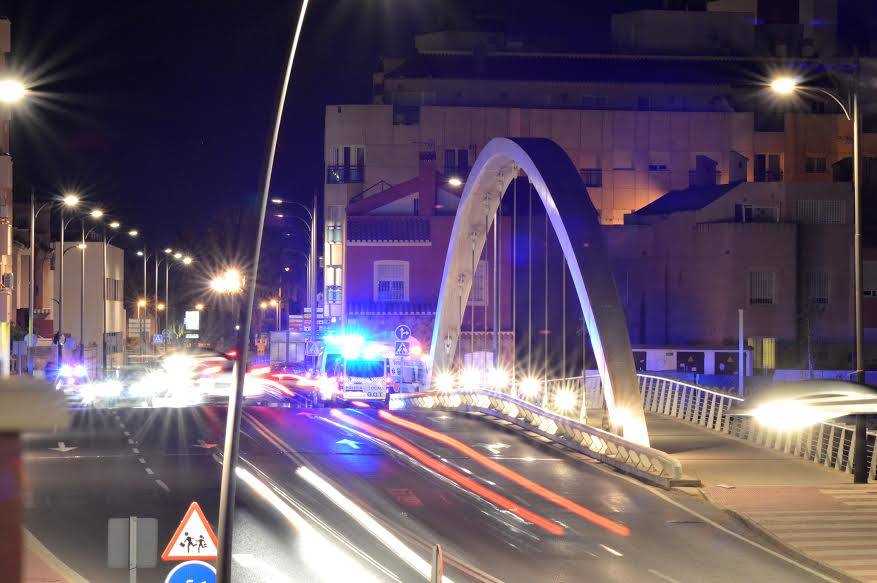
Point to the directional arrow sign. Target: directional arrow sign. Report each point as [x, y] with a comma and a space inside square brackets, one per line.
[494, 448]
[204, 445]
[348, 443]
[63, 447]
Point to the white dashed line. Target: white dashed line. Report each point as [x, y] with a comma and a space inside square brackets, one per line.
[149, 471]
[131, 441]
[142, 461]
[162, 485]
[127, 433]
[613, 551]
[135, 450]
[660, 575]
[122, 425]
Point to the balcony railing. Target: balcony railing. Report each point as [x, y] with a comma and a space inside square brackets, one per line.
[769, 176]
[340, 174]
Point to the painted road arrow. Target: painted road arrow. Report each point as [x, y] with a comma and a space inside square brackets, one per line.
[349, 443]
[494, 448]
[63, 447]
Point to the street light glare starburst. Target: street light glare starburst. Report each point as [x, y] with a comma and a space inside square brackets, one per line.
[784, 85]
[12, 91]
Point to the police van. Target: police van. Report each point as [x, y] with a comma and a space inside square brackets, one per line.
[352, 371]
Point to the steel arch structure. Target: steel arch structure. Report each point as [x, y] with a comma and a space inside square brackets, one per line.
[575, 222]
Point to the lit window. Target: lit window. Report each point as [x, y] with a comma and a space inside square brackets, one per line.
[391, 281]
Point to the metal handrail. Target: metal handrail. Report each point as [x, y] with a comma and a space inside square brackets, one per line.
[693, 386]
[651, 464]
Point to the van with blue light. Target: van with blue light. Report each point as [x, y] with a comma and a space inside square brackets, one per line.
[352, 369]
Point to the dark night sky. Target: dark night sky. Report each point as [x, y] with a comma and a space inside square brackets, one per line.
[160, 110]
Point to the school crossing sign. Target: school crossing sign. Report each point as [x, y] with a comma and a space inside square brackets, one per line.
[193, 539]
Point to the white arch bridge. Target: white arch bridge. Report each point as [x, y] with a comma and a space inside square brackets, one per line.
[575, 223]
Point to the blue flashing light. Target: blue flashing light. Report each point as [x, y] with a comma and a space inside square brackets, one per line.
[80, 371]
[65, 371]
[350, 345]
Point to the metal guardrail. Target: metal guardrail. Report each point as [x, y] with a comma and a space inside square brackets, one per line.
[827, 444]
[649, 464]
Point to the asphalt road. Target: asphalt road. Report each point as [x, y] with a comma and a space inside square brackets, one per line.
[344, 495]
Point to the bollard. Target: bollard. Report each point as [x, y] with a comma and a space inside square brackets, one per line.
[26, 404]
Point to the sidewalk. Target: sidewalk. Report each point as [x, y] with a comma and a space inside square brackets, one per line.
[813, 510]
[41, 566]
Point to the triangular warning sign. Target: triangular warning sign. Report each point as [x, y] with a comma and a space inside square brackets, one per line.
[193, 539]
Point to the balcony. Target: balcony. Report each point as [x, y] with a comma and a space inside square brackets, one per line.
[769, 176]
[339, 174]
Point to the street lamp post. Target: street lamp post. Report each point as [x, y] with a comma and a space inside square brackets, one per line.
[233, 416]
[788, 86]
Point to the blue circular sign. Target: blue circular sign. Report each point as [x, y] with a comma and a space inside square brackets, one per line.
[403, 332]
[192, 572]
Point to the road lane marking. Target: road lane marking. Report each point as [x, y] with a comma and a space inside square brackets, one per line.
[660, 575]
[716, 525]
[141, 460]
[122, 425]
[163, 486]
[127, 433]
[131, 441]
[135, 450]
[46, 555]
[149, 471]
[613, 551]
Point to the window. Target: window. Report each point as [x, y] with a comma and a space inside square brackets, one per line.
[592, 177]
[457, 162]
[346, 164]
[114, 290]
[747, 213]
[815, 165]
[657, 167]
[113, 342]
[478, 295]
[334, 229]
[768, 168]
[391, 281]
[818, 287]
[769, 121]
[821, 212]
[869, 278]
[762, 287]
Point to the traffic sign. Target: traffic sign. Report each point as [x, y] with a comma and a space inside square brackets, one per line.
[403, 348]
[157, 339]
[192, 572]
[193, 539]
[403, 332]
[313, 348]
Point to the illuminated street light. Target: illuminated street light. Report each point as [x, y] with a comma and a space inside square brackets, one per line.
[187, 260]
[115, 225]
[140, 254]
[530, 387]
[12, 91]
[178, 255]
[71, 200]
[279, 215]
[168, 250]
[565, 400]
[286, 269]
[784, 85]
[444, 381]
[497, 379]
[159, 307]
[272, 302]
[81, 246]
[141, 303]
[133, 232]
[455, 181]
[199, 306]
[228, 282]
[263, 305]
[96, 213]
[277, 200]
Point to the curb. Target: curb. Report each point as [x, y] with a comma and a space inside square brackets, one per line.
[792, 551]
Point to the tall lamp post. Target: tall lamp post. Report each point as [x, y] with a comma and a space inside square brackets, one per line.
[233, 417]
[70, 201]
[114, 226]
[789, 86]
[185, 260]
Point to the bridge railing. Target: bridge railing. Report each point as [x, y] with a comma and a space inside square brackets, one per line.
[827, 444]
[650, 464]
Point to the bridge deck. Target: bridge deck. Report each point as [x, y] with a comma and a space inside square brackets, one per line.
[716, 458]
